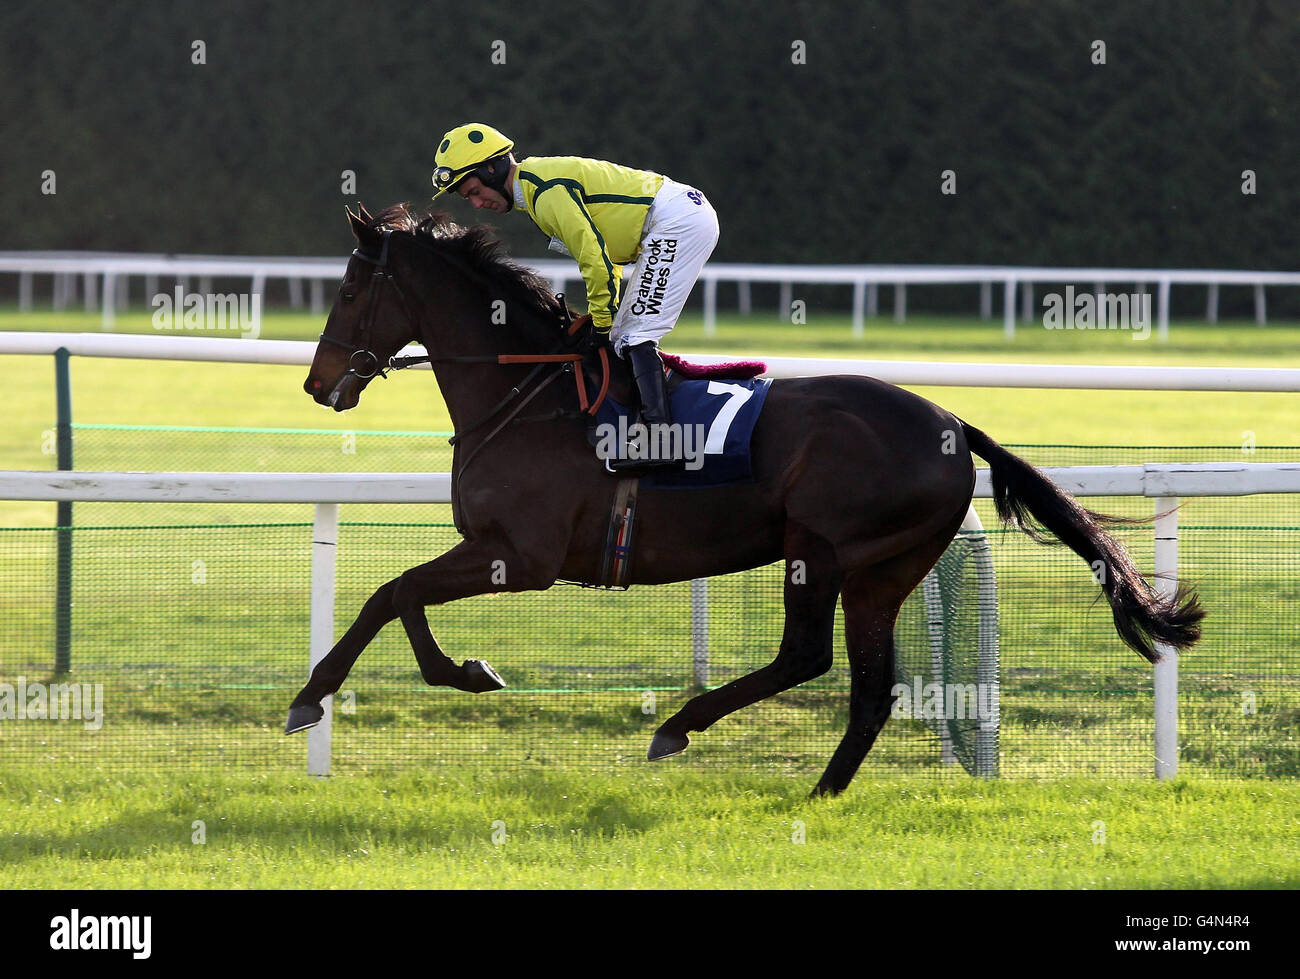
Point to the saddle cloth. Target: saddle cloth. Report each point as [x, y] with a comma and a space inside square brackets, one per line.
[715, 420]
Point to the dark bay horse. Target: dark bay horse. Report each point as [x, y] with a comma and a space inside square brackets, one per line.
[858, 484]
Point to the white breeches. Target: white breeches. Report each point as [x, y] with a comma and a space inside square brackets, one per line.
[681, 230]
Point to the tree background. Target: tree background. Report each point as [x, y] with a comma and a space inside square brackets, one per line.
[1058, 161]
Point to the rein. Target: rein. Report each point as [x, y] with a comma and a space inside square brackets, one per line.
[585, 406]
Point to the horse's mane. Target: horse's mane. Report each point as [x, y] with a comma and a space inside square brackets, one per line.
[476, 246]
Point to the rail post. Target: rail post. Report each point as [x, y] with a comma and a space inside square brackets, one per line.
[935, 615]
[700, 631]
[324, 549]
[1162, 309]
[109, 301]
[63, 519]
[1166, 673]
[710, 306]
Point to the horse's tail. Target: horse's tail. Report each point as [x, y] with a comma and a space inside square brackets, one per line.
[1141, 616]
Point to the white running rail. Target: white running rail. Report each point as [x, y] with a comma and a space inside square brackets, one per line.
[109, 274]
[914, 372]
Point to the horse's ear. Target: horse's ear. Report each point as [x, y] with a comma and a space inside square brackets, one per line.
[360, 226]
[365, 215]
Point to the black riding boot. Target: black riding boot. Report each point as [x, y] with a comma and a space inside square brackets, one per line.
[665, 451]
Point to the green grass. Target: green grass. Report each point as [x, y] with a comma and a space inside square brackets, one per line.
[194, 711]
[665, 829]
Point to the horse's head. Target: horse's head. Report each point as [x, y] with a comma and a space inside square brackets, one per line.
[455, 284]
[369, 322]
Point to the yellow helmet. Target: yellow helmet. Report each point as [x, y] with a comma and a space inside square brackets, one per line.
[464, 150]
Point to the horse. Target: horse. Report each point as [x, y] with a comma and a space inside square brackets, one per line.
[857, 484]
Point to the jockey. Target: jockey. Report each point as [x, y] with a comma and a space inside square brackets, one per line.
[605, 216]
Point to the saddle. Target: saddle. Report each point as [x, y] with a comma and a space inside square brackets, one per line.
[602, 371]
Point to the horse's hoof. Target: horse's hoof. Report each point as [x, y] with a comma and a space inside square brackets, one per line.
[481, 678]
[824, 789]
[303, 717]
[665, 745]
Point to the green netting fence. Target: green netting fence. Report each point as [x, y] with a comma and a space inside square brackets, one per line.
[190, 621]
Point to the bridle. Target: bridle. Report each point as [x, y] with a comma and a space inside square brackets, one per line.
[369, 365]
[364, 363]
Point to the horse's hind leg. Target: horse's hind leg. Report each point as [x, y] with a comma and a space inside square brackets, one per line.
[871, 599]
[871, 604]
[812, 584]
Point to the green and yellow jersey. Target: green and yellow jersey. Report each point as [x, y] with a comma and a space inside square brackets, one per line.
[597, 211]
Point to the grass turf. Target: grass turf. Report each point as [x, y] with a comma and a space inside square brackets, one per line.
[472, 829]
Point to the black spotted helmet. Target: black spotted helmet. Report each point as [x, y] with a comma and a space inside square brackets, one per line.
[472, 150]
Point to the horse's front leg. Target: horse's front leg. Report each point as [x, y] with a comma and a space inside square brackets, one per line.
[470, 568]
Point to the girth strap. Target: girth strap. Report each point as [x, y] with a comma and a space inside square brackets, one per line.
[616, 568]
